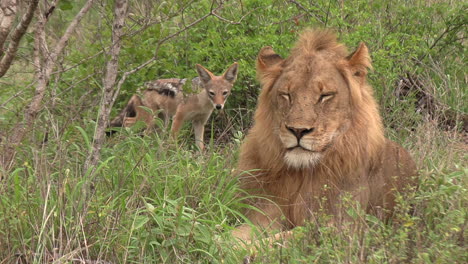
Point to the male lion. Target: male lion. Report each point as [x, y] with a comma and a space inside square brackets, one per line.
[318, 135]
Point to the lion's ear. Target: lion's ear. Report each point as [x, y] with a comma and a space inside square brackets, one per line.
[359, 61]
[267, 58]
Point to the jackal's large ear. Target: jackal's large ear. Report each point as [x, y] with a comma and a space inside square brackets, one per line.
[359, 61]
[231, 74]
[205, 75]
[267, 58]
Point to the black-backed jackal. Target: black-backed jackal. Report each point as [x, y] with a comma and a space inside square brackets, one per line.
[165, 97]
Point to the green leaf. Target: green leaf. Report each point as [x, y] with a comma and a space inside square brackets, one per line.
[65, 5]
[139, 221]
[85, 137]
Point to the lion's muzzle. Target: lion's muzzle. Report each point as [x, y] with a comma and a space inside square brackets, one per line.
[297, 137]
[300, 147]
[299, 132]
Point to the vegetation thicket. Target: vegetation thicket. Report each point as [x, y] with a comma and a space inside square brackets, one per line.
[151, 200]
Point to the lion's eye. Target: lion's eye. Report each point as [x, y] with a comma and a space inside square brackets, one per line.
[286, 96]
[326, 96]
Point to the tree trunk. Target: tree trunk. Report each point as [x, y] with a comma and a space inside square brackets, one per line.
[120, 13]
[7, 17]
[15, 36]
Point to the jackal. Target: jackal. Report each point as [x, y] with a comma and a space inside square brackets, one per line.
[165, 97]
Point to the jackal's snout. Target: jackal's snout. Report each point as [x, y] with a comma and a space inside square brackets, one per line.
[219, 99]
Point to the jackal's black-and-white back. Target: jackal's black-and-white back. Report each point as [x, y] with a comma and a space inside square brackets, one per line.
[168, 87]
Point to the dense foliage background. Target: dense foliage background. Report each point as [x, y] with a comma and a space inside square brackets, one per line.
[155, 202]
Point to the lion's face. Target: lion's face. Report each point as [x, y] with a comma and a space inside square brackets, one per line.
[313, 110]
[311, 98]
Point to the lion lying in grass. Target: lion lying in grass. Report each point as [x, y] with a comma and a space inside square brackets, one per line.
[317, 136]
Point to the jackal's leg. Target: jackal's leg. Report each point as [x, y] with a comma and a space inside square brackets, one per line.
[165, 118]
[145, 116]
[177, 124]
[129, 121]
[199, 129]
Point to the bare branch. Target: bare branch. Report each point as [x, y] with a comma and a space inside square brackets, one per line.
[16, 36]
[126, 74]
[234, 22]
[187, 27]
[224, 19]
[450, 28]
[7, 17]
[300, 6]
[71, 28]
[3, 105]
[158, 21]
[81, 61]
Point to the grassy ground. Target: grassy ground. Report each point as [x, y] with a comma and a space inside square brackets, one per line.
[154, 202]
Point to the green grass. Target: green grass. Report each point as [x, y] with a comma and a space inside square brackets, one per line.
[153, 201]
[148, 202]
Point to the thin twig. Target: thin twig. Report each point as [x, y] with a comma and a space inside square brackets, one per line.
[159, 21]
[80, 62]
[300, 6]
[189, 26]
[16, 95]
[224, 19]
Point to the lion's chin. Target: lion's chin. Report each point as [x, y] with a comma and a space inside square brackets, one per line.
[300, 158]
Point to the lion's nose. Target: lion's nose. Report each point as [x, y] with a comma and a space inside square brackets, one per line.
[299, 132]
